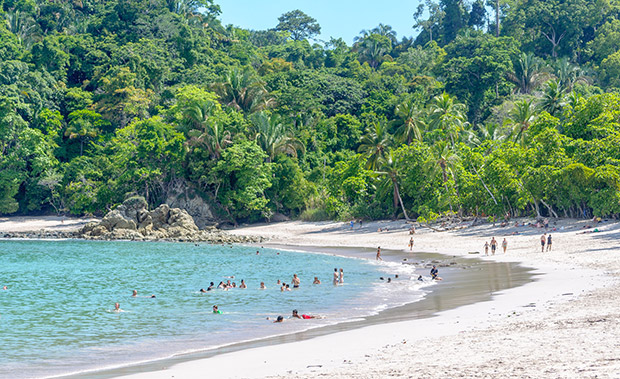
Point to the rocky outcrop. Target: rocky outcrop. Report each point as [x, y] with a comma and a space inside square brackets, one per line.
[195, 205]
[132, 221]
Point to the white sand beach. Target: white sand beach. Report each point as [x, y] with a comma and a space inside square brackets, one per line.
[566, 324]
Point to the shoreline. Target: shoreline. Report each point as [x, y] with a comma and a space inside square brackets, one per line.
[424, 308]
[536, 318]
[549, 323]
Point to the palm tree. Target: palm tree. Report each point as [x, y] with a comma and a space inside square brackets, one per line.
[243, 90]
[528, 74]
[447, 115]
[521, 117]
[389, 168]
[483, 132]
[81, 129]
[553, 97]
[443, 161]
[387, 31]
[410, 121]
[24, 27]
[274, 136]
[568, 74]
[203, 130]
[374, 144]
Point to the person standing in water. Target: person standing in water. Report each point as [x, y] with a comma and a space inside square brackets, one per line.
[316, 280]
[295, 281]
[341, 280]
[411, 244]
[135, 293]
[493, 245]
[216, 310]
[549, 243]
[117, 307]
[379, 254]
[504, 245]
[486, 248]
[336, 278]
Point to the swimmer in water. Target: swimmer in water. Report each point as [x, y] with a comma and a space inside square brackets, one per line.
[389, 280]
[280, 319]
[279, 282]
[153, 296]
[216, 310]
[117, 307]
[296, 281]
[336, 278]
[341, 279]
[5, 288]
[202, 290]
[379, 254]
[262, 286]
[305, 317]
[316, 280]
[210, 286]
[135, 293]
[242, 285]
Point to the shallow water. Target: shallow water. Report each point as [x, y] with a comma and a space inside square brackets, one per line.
[57, 315]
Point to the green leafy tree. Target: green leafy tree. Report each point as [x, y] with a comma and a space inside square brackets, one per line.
[375, 144]
[243, 178]
[298, 24]
[84, 125]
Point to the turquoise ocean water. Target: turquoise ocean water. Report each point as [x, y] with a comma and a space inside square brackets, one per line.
[56, 315]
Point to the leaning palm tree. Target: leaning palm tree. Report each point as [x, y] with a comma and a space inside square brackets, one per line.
[388, 167]
[521, 117]
[243, 90]
[410, 121]
[528, 73]
[374, 144]
[273, 135]
[447, 115]
[442, 161]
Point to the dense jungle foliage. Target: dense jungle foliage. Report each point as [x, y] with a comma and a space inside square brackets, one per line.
[495, 108]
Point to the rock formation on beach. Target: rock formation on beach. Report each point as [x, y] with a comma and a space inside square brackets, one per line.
[133, 221]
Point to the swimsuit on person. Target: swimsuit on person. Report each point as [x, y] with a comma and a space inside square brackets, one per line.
[306, 317]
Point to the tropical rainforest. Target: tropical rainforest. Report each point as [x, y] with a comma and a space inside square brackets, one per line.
[495, 108]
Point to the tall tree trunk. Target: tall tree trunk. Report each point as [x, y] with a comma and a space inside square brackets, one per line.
[496, 18]
[400, 199]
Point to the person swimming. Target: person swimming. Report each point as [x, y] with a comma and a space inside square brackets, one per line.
[117, 307]
[316, 280]
[216, 310]
[242, 285]
[135, 293]
[262, 286]
[305, 317]
[280, 319]
[210, 286]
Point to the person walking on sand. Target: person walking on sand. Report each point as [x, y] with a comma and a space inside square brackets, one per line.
[543, 239]
[504, 245]
[493, 245]
[336, 276]
[411, 244]
[549, 243]
[341, 279]
[352, 224]
[486, 248]
[379, 254]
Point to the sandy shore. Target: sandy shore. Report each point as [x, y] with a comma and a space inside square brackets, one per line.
[564, 325]
[47, 223]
